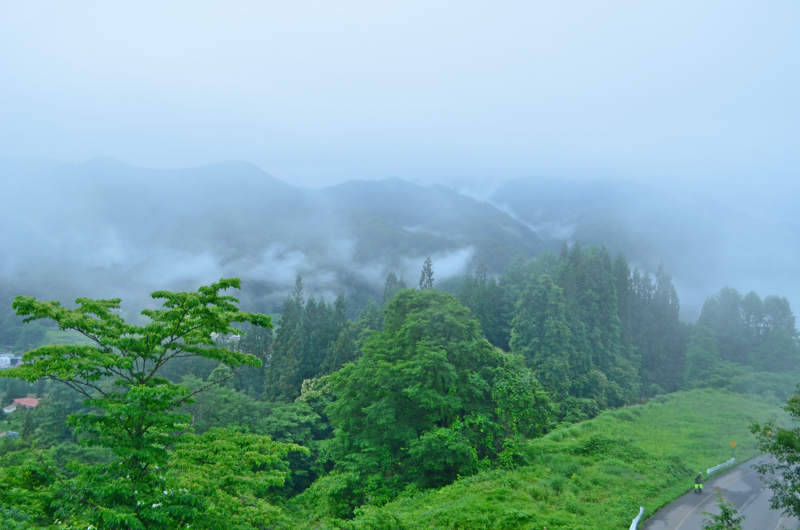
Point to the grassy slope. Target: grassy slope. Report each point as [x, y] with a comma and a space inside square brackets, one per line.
[57, 336]
[596, 474]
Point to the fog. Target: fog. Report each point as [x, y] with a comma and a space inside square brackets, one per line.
[667, 132]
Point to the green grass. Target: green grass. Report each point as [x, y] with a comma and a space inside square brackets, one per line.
[596, 474]
[57, 336]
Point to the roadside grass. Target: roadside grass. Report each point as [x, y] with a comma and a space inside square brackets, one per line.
[590, 476]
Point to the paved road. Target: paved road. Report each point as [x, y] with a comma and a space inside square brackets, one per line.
[741, 486]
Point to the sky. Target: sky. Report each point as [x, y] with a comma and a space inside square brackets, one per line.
[694, 94]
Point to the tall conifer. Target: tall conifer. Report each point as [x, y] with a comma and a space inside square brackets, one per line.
[426, 277]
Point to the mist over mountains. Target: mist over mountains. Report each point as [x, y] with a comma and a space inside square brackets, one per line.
[103, 228]
[703, 243]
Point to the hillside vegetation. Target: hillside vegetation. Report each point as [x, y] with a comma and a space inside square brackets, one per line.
[590, 476]
[414, 395]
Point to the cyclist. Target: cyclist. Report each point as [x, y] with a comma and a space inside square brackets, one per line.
[698, 483]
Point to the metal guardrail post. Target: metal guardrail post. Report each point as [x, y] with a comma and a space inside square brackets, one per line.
[635, 522]
[728, 463]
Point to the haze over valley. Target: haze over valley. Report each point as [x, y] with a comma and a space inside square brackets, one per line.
[399, 265]
[107, 228]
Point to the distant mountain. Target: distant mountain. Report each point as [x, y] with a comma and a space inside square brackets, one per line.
[704, 244]
[441, 212]
[104, 228]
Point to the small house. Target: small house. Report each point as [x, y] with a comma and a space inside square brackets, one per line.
[29, 403]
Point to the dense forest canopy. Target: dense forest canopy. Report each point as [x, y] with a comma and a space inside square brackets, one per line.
[418, 389]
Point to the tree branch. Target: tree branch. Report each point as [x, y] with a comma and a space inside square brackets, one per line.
[55, 474]
[204, 388]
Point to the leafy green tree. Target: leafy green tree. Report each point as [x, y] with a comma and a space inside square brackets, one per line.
[390, 288]
[429, 400]
[295, 423]
[11, 518]
[484, 297]
[703, 357]
[660, 338]
[542, 335]
[588, 282]
[779, 352]
[256, 341]
[27, 425]
[723, 314]
[750, 331]
[14, 390]
[625, 294]
[726, 518]
[162, 475]
[348, 344]
[781, 472]
[778, 315]
[282, 378]
[307, 334]
[753, 317]
[426, 277]
[50, 416]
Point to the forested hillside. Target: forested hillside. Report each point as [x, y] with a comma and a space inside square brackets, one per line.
[347, 414]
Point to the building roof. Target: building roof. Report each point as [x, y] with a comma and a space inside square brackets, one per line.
[27, 402]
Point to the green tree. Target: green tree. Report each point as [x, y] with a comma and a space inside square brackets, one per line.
[723, 314]
[779, 352]
[726, 518]
[51, 414]
[282, 377]
[256, 341]
[588, 282]
[307, 334]
[426, 277]
[347, 346]
[703, 357]
[162, 475]
[625, 294]
[484, 297]
[750, 331]
[429, 400]
[542, 335]
[660, 337]
[778, 315]
[16, 389]
[27, 425]
[753, 317]
[390, 288]
[781, 473]
[284, 422]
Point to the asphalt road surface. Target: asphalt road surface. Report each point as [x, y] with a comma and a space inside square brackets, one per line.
[741, 486]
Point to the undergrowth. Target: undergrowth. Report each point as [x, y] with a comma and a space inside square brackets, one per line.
[590, 476]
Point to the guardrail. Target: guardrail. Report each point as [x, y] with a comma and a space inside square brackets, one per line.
[635, 522]
[728, 463]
